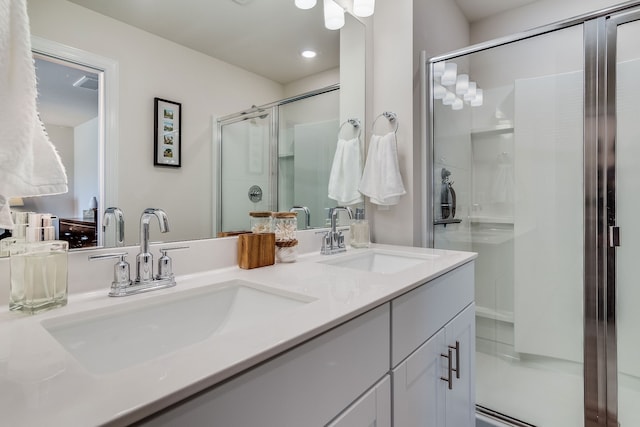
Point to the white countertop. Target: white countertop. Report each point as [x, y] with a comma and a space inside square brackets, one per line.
[42, 384]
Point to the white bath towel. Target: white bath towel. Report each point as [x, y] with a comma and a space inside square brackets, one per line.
[381, 179]
[29, 163]
[346, 171]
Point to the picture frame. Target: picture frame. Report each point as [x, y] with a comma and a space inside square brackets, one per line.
[167, 142]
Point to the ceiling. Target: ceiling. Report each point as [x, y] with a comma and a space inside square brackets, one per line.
[55, 83]
[262, 36]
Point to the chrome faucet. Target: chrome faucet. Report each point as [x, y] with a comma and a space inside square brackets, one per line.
[307, 214]
[113, 227]
[144, 260]
[333, 240]
[145, 279]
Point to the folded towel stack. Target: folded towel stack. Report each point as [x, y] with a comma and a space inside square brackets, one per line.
[346, 172]
[381, 179]
[29, 163]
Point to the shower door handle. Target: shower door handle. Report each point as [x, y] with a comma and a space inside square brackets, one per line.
[614, 236]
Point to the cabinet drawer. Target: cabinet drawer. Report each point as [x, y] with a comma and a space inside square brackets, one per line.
[307, 386]
[418, 314]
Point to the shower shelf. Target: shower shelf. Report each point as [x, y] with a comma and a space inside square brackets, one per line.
[447, 221]
[498, 130]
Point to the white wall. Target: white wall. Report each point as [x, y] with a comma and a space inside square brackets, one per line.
[536, 14]
[85, 179]
[401, 29]
[310, 83]
[153, 67]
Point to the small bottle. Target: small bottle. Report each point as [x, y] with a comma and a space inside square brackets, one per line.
[359, 231]
[261, 222]
[38, 268]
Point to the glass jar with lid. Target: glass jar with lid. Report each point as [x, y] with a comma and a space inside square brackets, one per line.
[261, 222]
[285, 226]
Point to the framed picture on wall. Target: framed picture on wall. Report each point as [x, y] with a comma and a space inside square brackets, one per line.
[167, 144]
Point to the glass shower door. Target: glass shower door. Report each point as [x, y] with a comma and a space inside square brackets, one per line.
[627, 184]
[508, 184]
[246, 168]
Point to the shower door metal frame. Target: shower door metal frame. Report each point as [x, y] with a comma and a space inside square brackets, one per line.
[608, 175]
[599, 142]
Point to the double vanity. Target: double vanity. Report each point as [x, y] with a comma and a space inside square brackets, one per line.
[334, 340]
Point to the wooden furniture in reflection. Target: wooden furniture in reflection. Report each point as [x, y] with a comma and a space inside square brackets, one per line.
[79, 233]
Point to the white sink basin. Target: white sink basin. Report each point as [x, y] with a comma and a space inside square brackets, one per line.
[107, 340]
[379, 260]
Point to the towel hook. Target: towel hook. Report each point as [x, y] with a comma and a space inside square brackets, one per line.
[353, 122]
[389, 115]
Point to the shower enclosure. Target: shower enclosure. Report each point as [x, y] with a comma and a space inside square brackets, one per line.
[539, 136]
[277, 157]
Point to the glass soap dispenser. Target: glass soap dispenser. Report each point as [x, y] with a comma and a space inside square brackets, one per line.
[38, 268]
[359, 231]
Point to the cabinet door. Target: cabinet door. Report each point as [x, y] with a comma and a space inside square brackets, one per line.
[418, 390]
[460, 336]
[306, 386]
[371, 410]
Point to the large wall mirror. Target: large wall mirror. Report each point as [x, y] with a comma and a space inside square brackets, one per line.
[214, 58]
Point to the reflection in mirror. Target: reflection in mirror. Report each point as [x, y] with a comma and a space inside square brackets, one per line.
[287, 168]
[148, 65]
[68, 105]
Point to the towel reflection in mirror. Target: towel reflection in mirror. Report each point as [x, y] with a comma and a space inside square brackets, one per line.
[346, 169]
[30, 163]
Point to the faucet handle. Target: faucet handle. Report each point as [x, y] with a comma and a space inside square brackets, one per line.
[121, 272]
[165, 270]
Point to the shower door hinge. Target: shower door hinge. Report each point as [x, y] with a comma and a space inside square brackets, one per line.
[614, 236]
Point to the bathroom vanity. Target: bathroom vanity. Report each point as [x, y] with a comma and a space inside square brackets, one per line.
[334, 340]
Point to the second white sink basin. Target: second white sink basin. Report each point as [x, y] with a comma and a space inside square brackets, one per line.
[108, 340]
[378, 260]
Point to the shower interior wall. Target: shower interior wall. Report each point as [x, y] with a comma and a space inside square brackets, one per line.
[478, 146]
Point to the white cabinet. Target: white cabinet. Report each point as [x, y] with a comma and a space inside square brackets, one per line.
[435, 385]
[306, 386]
[433, 337]
[371, 410]
[418, 391]
[460, 400]
[381, 369]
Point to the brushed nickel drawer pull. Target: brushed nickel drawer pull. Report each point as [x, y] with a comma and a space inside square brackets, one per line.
[449, 377]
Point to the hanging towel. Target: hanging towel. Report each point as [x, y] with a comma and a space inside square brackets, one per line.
[346, 172]
[29, 163]
[381, 179]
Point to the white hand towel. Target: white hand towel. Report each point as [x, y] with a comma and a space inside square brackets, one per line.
[29, 163]
[381, 179]
[346, 171]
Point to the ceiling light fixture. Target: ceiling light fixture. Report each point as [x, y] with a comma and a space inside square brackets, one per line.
[333, 15]
[305, 4]
[363, 8]
[308, 54]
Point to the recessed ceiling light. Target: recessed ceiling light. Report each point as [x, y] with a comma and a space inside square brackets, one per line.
[308, 53]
